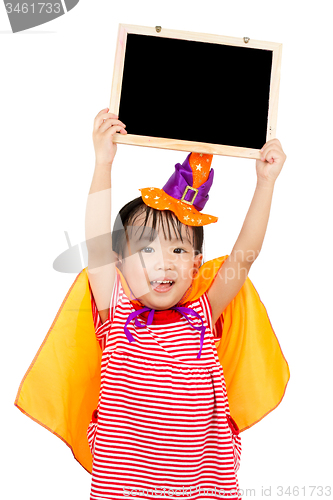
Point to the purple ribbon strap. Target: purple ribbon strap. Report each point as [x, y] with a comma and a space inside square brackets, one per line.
[183, 177]
[182, 310]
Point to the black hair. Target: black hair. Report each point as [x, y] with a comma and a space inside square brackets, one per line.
[128, 214]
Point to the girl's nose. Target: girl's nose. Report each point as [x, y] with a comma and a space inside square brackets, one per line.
[164, 265]
[164, 261]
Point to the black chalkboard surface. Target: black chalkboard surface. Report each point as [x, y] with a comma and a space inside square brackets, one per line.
[195, 91]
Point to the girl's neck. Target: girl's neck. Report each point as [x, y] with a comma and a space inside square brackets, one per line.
[162, 316]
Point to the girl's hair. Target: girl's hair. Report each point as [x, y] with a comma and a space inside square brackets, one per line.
[129, 213]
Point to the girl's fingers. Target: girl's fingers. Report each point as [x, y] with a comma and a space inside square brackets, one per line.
[271, 142]
[102, 116]
[105, 116]
[116, 128]
[275, 154]
[271, 155]
[114, 121]
[268, 154]
[269, 147]
[110, 122]
[264, 152]
[97, 120]
[102, 111]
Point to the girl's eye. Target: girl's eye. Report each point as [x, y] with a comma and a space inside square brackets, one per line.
[148, 248]
[181, 249]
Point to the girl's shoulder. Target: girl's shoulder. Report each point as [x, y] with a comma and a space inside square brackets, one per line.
[202, 306]
[103, 319]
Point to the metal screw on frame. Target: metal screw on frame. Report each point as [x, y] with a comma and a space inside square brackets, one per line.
[246, 39]
[158, 28]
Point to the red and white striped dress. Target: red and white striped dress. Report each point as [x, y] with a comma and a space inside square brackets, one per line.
[161, 427]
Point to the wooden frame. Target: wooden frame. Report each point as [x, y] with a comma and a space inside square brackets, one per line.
[191, 146]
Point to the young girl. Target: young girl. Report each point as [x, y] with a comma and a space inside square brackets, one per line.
[162, 426]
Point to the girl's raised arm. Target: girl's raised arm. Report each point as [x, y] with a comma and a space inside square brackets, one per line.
[101, 258]
[235, 268]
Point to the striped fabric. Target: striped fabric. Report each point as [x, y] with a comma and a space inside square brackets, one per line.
[161, 425]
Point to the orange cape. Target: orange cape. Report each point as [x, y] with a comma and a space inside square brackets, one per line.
[61, 387]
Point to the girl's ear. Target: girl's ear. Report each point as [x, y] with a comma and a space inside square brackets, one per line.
[197, 261]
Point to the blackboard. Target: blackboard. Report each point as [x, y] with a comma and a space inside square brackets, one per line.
[195, 95]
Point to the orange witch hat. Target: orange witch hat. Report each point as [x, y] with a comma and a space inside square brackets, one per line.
[186, 192]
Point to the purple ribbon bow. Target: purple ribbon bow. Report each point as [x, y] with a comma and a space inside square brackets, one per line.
[182, 310]
[183, 177]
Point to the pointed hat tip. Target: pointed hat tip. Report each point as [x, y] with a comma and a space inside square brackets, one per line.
[200, 164]
[196, 158]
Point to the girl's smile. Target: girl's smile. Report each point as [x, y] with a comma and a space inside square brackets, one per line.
[161, 286]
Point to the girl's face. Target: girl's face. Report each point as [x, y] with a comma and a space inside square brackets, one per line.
[146, 262]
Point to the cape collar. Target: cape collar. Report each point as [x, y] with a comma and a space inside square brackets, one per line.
[200, 283]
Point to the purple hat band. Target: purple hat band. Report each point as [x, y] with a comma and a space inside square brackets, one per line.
[183, 177]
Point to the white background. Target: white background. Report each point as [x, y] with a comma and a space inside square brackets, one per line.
[54, 80]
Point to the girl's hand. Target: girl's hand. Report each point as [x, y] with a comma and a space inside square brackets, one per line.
[105, 126]
[271, 163]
